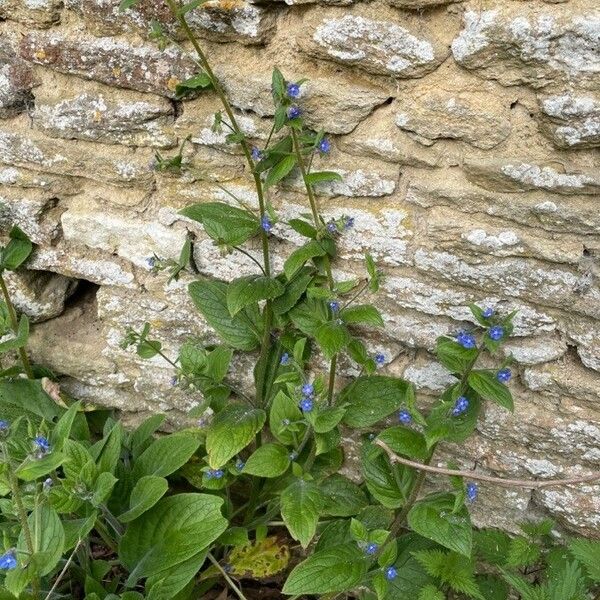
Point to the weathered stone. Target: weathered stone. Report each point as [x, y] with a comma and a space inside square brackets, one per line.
[420, 4]
[19, 146]
[221, 20]
[16, 82]
[531, 45]
[572, 120]
[506, 175]
[24, 178]
[34, 13]
[110, 61]
[585, 333]
[532, 351]
[478, 118]
[94, 112]
[379, 47]
[41, 296]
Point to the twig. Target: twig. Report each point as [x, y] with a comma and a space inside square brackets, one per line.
[523, 483]
[64, 570]
[228, 579]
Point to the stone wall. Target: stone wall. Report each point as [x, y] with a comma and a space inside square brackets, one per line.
[467, 135]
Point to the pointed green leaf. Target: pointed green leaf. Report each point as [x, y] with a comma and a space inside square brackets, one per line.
[270, 460]
[250, 289]
[146, 493]
[301, 505]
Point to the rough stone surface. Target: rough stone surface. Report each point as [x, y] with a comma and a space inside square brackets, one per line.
[466, 134]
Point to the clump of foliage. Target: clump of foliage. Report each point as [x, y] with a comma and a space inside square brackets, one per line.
[255, 496]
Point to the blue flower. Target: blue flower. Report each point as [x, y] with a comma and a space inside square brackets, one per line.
[8, 561]
[266, 224]
[4, 426]
[42, 444]
[332, 227]
[240, 464]
[488, 312]
[334, 305]
[294, 112]
[349, 222]
[293, 90]
[496, 332]
[504, 375]
[380, 359]
[174, 380]
[466, 340]
[256, 154]
[217, 473]
[472, 491]
[306, 405]
[324, 146]
[308, 389]
[391, 573]
[460, 406]
[285, 359]
[151, 262]
[404, 417]
[48, 483]
[371, 548]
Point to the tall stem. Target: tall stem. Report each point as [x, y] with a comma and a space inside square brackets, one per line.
[12, 313]
[228, 579]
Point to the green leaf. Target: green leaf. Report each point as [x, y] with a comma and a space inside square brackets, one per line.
[441, 425]
[20, 339]
[31, 469]
[362, 313]
[141, 437]
[189, 6]
[322, 176]
[387, 483]
[334, 570]
[343, 498]
[231, 431]
[250, 289]
[270, 460]
[293, 291]
[522, 552]
[489, 388]
[371, 399]
[491, 545]
[453, 356]
[301, 505]
[298, 258]
[103, 488]
[587, 552]
[125, 4]
[405, 441]
[62, 429]
[17, 250]
[332, 338]
[283, 410]
[165, 455]
[167, 585]
[210, 298]
[49, 540]
[280, 170]
[146, 493]
[433, 518]
[431, 592]
[327, 418]
[173, 531]
[26, 397]
[198, 82]
[224, 223]
[303, 228]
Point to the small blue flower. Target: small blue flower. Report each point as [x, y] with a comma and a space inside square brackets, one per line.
[332, 227]
[349, 223]
[466, 340]
[472, 491]
[266, 224]
[240, 464]
[285, 359]
[294, 112]
[293, 455]
[256, 154]
[371, 548]
[334, 305]
[293, 90]
[217, 473]
[174, 380]
[380, 359]
[8, 561]
[404, 417]
[496, 332]
[48, 483]
[151, 262]
[324, 146]
[4, 426]
[308, 389]
[306, 405]
[488, 312]
[504, 375]
[42, 444]
[460, 406]
[391, 573]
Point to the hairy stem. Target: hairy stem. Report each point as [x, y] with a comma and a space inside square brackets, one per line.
[228, 579]
[12, 313]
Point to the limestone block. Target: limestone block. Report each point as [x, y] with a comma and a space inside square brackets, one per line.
[420, 4]
[506, 175]
[40, 295]
[477, 118]
[114, 62]
[532, 44]
[572, 120]
[94, 112]
[585, 333]
[533, 351]
[16, 83]
[380, 47]
[34, 13]
[11, 176]
[22, 147]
